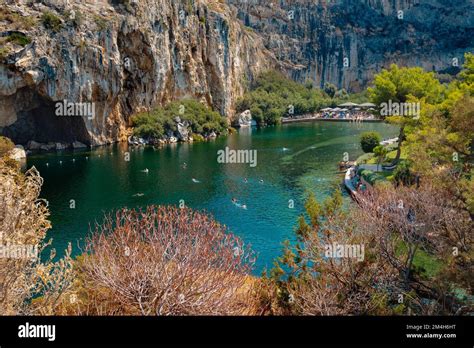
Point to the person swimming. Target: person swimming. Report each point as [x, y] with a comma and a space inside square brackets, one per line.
[196, 181]
[184, 166]
[245, 180]
[235, 202]
[145, 170]
[261, 181]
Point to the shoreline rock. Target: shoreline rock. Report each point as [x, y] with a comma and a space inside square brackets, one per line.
[78, 145]
[18, 153]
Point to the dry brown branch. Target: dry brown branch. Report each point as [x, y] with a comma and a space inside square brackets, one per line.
[23, 226]
[168, 261]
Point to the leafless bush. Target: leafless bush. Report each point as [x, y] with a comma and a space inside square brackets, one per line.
[346, 285]
[168, 261]
[23, 226]
[425, 219]
[394, 225]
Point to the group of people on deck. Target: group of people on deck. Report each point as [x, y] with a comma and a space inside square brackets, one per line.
[355, 116]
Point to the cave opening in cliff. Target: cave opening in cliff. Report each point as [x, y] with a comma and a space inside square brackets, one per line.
[41, 124]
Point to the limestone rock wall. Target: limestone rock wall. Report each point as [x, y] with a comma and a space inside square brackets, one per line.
[123, 56]
[346, 41]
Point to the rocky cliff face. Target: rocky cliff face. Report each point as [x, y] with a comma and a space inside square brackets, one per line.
[122, 56]
[345, 41]
[126, 56]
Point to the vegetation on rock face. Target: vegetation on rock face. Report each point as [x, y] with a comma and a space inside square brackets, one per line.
[51, 21]
[4, 52]
[101, 22]
[160, 122]
[15, 20]
[19, 39]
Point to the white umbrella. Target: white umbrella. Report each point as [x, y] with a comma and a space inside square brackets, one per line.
[367, 105]
[348, 105]
[336, 109]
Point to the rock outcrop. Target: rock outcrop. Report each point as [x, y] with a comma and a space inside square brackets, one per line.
[245, 119]
[117, 58]
[18, 153]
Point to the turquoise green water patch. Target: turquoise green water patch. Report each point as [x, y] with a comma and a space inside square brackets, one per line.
[291, 160]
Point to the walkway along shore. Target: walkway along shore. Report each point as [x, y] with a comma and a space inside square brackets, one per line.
[311, 119]
[350, 186]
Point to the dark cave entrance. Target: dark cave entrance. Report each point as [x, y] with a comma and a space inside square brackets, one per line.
[41, 124]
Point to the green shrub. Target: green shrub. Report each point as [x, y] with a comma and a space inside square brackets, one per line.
[369, 140]
[16, 21]
[330, 89]
[158, 122]
[4, 51]
[197, 138]
[371, 177]
[273, 96]
[19, 39]
[403, 174]
[51, 21]
[102, 23]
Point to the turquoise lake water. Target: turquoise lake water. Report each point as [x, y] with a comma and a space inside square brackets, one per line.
[292, 159]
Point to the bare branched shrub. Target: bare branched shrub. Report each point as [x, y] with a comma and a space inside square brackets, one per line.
[167, 261]
[346, 285]
[393, 226]
[23, 226]
[427, 219]
[309, 281]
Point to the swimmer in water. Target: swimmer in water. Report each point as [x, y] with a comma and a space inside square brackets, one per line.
[234, 200]
[261, 181]
[245, 180]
